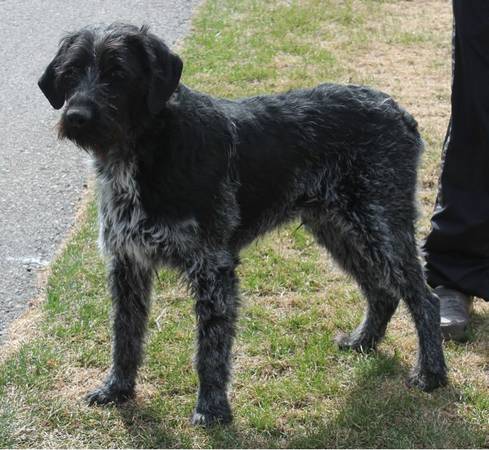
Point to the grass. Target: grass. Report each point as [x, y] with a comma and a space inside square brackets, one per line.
[292, 387]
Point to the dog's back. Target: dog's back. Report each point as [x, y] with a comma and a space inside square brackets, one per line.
[315, 146]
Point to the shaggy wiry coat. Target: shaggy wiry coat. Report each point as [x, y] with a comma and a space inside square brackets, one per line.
[188, 180]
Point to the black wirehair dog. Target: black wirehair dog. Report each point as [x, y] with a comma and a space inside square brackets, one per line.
[188, 180]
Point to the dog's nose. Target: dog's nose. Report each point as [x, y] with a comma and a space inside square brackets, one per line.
[78, 116]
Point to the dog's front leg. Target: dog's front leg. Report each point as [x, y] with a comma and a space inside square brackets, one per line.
[216, 310]
[130, 286]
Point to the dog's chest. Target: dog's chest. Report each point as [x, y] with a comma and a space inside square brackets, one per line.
[125, 228]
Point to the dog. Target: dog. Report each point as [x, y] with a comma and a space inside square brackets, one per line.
[187, 180]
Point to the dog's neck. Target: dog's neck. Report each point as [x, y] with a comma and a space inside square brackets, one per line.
[116, 155]
[116, 169]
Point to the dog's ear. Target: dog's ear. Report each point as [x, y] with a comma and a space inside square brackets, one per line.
[49, 82]
[165, 72]
[50, 87]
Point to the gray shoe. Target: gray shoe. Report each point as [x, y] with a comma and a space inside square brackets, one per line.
[455, 308]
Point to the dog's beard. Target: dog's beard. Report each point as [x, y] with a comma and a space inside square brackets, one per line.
[96, 139]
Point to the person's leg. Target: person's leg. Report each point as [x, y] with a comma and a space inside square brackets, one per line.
[457, 248]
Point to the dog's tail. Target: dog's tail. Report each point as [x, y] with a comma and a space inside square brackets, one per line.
[395, 108]
[409, 120]
[412, 127]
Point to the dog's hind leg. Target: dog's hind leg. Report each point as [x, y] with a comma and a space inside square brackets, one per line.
[364, 261]
[386, 266]
[215, 287]
[381, 305]
[430, 369]
[130, 286]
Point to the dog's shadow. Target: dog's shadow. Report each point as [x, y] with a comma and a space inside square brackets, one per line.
[377, 411]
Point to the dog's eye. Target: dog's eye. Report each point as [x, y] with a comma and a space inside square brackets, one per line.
[69, 73]
[69, 76]
[112, 74]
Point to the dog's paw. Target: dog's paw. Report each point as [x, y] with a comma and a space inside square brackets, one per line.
[427, 381]
[108, 394]
[345, 341]
[206, 414]
[210, 419]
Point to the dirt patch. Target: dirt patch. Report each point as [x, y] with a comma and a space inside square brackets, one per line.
[26, 327]
[74, 383]
[413, 60]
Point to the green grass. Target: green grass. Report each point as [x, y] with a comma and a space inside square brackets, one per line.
[291, 387]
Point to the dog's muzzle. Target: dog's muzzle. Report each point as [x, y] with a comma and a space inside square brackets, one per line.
[78, 117]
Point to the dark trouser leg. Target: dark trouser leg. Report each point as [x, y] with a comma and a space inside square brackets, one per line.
[457, 248]
[130, 286]
[216, 310]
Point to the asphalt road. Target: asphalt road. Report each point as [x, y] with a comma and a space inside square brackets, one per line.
[42, 180]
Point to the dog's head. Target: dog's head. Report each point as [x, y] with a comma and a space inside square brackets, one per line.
[111, 80]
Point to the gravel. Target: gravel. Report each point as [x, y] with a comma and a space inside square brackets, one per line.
[42, 180]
